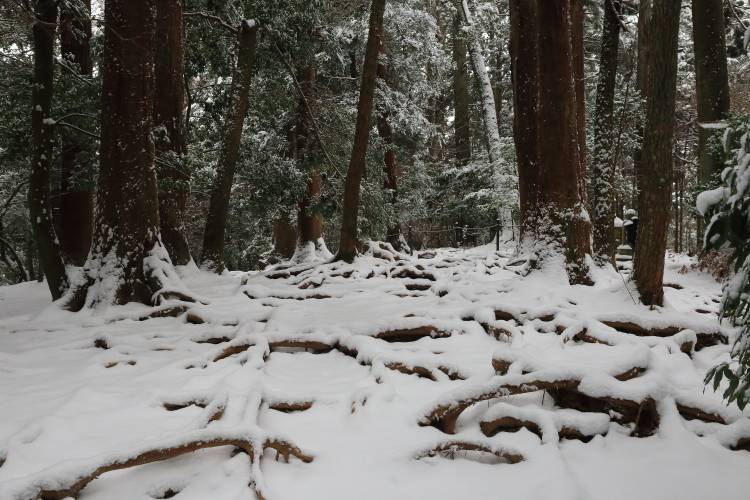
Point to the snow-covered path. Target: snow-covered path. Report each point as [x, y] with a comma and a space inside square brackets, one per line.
[346, 362]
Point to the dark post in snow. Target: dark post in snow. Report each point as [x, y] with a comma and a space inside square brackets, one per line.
[497, 235]
[411, 248]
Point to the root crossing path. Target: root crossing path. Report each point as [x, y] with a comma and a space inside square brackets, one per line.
[447, 374]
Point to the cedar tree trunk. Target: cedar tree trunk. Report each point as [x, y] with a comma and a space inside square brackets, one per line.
[169, 122]
[576, 40]
[386, 133]
[711, 77]
[127, 216]
[524, 57]
[483, 80]
[42, 126]
[603, 175]
[76, 221]
[564, 228]
[348, 242]
[461, 122]
[648, 268]
[641, 83]
[310, 225]
[216, 222]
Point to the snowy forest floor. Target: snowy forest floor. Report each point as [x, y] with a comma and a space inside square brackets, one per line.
[549, 390]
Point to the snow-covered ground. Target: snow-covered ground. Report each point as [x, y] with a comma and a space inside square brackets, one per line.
[378, 359]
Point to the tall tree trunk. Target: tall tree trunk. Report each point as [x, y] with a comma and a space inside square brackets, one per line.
[648, 269]
[284, 231]
[284, 236]
[524, 57]
[386, 133]
[348, 242]
[76, 188]
[310, 225]
[488, 96]
[603, 178]
[42, 126]
[641, 83]
[126, 232]
[711, 76]
[461, 121]
[564, 226]
[169, 122]
[216, 222]
[576, 40]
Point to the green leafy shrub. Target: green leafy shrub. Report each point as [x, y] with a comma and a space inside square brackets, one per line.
[728, 207]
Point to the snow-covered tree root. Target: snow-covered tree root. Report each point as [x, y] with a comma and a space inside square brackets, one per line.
[451, 448]
[444, 414]
[68, 479]
[354, 346]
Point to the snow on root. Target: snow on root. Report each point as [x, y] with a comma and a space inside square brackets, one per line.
[69, 478]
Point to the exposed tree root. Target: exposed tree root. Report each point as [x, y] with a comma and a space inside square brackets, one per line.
[496, 331]
[410, 334]
[291, 407]
[705, 339]
[424, 372]
[314, 346]
[414, 273]
[689, 413]
[444, 416]
[642, 415]
[74, 487]
[451, 448]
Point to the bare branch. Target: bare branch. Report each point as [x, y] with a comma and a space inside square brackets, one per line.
[212, 18]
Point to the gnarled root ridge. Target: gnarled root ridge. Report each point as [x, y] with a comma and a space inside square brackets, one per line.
[451, 448]
[68, 479]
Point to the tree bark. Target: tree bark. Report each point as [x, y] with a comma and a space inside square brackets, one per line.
[76, 221]
[126, 231]
[711, 76]
[461, 121]
[285, 236]
[386, 133]
[42, 126]
[216, 222]
[641, 83]
[310, 225]
[603, 175]
[648, 271]
[564, 227]
[169, 123]
[576, 40]
[524, 56]
[488, 95]
[348, 242]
